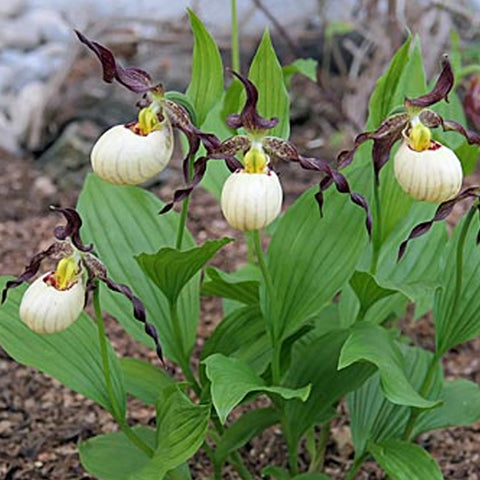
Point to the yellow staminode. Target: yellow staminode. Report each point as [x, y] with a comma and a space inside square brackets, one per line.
[420, 137]
[66, 273]
[147, 121]
[255, 161]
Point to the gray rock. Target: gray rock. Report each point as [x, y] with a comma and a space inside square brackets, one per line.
[11, 8]
[7, 75]
[8, 141]
[49, 24]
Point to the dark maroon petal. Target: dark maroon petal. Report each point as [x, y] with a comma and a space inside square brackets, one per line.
[383, 137]
[442, 212]
[249, 118]
[138, 310]
[71, 229]
[287, 151]
[180, 119]
[134, 79]
[439, 92]
[31, 269]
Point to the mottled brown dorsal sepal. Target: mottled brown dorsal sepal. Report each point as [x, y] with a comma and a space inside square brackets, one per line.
[71, 229]
[135, 79]
[249, 118]
[440, 91]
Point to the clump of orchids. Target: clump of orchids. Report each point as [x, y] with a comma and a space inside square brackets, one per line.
[57, 298]
[424, 168]
[252, 195]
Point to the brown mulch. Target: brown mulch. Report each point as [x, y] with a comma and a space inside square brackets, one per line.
[42, 422]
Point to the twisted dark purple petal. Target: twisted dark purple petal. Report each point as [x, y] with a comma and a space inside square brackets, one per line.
[71, 229]
[138, 310]
[224, 151]
[440, 91]
[135, 79]
[249, 118]
[442, 212]
[384, 137]
[287, 151]
[180, 119]
[30, 270]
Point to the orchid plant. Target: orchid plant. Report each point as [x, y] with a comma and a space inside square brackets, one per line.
[309, 324]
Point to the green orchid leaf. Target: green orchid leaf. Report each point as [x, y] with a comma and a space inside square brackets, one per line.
[181, 429]
[405, 461]
[171, 269]
[242, 335]
[223, 285]
[273, 100]
[144, 380]
[249, 425]
[231, 380]
[372, 343]
[206, 84]
[374, 417]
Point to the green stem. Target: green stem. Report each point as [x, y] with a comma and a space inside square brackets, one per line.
[293, 461]
[183, 361]
[377, 234]
[357, 463]
[182, 222]
[276, 346]
[119, 418]
[317, 464]
[235, 49]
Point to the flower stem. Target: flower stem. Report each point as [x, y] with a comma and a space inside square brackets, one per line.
[357, 463]
[119, 418]
[377, 235]
[276, 346]
[182, 222]
[317, 464]
[235, 50]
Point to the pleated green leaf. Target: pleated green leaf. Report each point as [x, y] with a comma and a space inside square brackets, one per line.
[249, 425]
[460, 407]
[223, 285]
[206, 84]
[144, 380]
[181, 429]
[231, 380]
[123, 222]
[374, 417]
[405, 461]
[457, 313]
[242, 335]
[312, 257]
[73, 356]
[267, 75]
[171, 269]
[372, 343]
[315, 362]
[114, 457]
[367, 290]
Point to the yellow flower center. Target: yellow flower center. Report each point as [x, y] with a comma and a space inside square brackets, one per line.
[147, 121]
[420, 137]
[65, 275]
[255, 161]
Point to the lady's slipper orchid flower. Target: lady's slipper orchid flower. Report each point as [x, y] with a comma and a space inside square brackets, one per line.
[256, 141]
[133, 153]
[252, 197]
[55, 300]
[426, 169]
